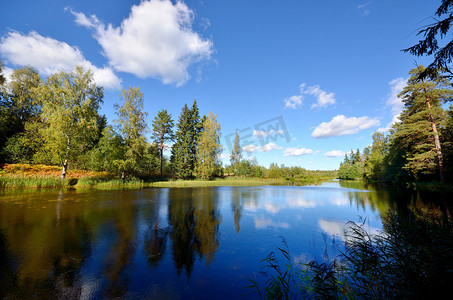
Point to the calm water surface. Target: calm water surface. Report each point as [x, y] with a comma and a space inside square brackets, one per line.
[183, 243]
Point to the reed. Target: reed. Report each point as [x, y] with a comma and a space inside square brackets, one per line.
[32, 181]
[413, 259]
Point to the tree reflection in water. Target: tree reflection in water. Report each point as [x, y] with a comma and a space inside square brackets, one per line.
[117, 244]
[194, 221]
[43, 254]
[121, 253]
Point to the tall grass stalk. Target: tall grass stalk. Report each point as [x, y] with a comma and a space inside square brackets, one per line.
[412, 260]
[36, 181]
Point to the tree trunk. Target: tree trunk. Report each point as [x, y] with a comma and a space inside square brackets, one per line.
[65, 164]
[65, 168]
[436, 140]
[161, 156]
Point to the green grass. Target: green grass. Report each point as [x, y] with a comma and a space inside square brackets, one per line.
[106, 181]
[237, 181]
[33, 182]
[111, 184]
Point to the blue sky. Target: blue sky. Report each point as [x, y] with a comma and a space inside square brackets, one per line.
[302, 81]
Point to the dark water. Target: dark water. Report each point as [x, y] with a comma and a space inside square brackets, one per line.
[201, 243]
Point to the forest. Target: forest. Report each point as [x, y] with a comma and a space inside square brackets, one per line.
[57, 122]
[419, 146]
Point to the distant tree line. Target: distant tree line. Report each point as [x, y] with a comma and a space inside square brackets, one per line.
[420, 146]
[58, 122]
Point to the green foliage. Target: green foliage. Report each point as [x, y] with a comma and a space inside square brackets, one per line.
[162, 133]
[249, 168]
[447, 143]
[184, 150]
[209, 149]
[19, 105]
[416, 135]
[18, 149]
[352, 166]
[22, 93]
[36, 182]
[110, 149]
[138, 158]
[274, 171]
[236, 155]
[416, 146]
[430, 45]
[374, 167]
[71, 103]
[281, 279]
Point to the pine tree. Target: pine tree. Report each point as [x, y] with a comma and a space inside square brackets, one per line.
[236, 154]
[162, 132]
[417, 135]
[209, 149]
[447, 143]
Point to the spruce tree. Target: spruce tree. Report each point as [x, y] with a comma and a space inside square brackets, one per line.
[184, 151]
[180, 152]
[195, 128]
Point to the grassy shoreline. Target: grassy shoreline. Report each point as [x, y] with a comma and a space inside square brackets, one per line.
[15, 177]
[37, 177]
[50, 182]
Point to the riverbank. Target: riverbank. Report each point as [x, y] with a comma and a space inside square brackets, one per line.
[30, 177]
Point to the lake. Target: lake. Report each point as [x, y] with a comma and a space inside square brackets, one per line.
[178, 243]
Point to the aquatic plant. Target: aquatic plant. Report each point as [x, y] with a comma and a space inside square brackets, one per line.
[411, 259]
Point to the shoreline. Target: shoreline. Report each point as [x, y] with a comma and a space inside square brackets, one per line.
[11, 183]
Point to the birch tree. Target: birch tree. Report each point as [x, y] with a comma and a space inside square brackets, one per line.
[71, 103]
[209, 149]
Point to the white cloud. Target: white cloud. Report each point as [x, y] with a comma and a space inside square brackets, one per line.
[389, 125]
[293, 102]
[272, 207]
[251, 148]
[254, 148]
[334, 153]
[261, 223]
[156, 40]
[270, 147]
[262, 133]
[394, 102]
[323, 98]
[296, 151]
[7, 72]
[362, 8]
[223, 155]
[340, 125]
[49, 56]
[335, 228]
[301, 203]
